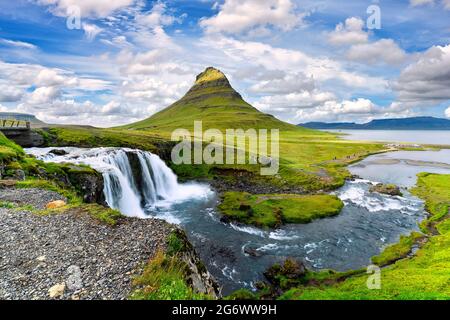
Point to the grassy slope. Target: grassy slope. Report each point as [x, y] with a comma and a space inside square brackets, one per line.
[276, 209]
[8, 149]
[311, 159]
[425, 276]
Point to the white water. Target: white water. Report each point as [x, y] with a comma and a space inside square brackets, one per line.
[159, 188]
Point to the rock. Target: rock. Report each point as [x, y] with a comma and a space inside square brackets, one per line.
[58, 152]
[252, 252]
[55, 204]
[41, 258]
[8, 183]
[389, 189]
[57, 290]
[19, 175]
[293, 269]
[74, 281]
[89, 182]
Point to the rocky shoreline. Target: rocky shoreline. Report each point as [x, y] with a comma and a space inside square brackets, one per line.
[71, 255]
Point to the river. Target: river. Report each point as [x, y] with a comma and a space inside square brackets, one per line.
[367, 223]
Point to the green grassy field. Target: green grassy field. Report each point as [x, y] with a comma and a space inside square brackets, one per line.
[424, 276]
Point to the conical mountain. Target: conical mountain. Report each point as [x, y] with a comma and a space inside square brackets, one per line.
[212, 100]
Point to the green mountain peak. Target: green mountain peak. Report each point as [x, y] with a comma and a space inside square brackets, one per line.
[213, 101]
[210, 74]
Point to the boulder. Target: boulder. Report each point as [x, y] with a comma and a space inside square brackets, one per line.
[57, 290]
[58, 152]
[389, 189]
[55, 204]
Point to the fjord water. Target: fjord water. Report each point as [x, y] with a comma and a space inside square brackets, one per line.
[439, 137]
[238, 255]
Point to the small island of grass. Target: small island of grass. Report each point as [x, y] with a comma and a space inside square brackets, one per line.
[273, 210]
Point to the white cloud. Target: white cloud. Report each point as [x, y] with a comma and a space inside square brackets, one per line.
[89, 8]
[295, 82]
[157, 17]
[272, 58]
[426, 81]
[9, 93]
[333, 111]
[381, 51]
[236, 16]
[349, 32]
[416, 3]
[447, 112]
[43, 95]
[17, 44]
[91, 30]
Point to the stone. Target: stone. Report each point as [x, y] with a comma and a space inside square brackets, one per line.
[389, 189]
[58, 152]
[41, 258]
[74, 281]
[252, 252]
[55, 204]
[57, 290]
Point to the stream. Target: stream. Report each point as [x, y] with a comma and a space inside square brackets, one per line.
[367, 223]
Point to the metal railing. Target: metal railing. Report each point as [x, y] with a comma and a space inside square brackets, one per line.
[14, 124]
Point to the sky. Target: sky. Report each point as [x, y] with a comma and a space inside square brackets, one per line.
[113, 62]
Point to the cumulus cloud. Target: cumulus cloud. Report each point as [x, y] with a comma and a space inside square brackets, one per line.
[42, 95]
[333, 111]
[88, 8]
[426, 81]
[273, 58]
[10, 93]
[381, 51]
[236, 16]
[447, 112]
[349, 32]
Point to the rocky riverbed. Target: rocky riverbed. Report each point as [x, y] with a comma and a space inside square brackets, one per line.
[70, 255]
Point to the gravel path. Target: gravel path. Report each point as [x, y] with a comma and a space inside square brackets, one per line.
[87, 259]
[38, 198]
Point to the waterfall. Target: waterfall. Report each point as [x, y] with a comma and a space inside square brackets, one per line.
[134, 180]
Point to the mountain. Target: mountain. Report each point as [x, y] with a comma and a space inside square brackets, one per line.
[416, 123]
[212, 100]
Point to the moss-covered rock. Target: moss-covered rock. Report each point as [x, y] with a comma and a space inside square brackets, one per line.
[389, 189]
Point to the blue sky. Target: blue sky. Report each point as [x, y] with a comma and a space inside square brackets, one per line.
[298, 60]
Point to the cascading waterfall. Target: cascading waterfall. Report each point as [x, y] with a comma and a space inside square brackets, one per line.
[134, 180]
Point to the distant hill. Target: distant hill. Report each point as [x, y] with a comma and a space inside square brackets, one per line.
[416, 123]
[214, 101]
[23, 117]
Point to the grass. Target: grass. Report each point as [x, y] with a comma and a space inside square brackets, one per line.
[272, 210]
[163, 278]
[103, 214]
[398, 250]
[9, 151]
[7, 205]
[424, 276]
